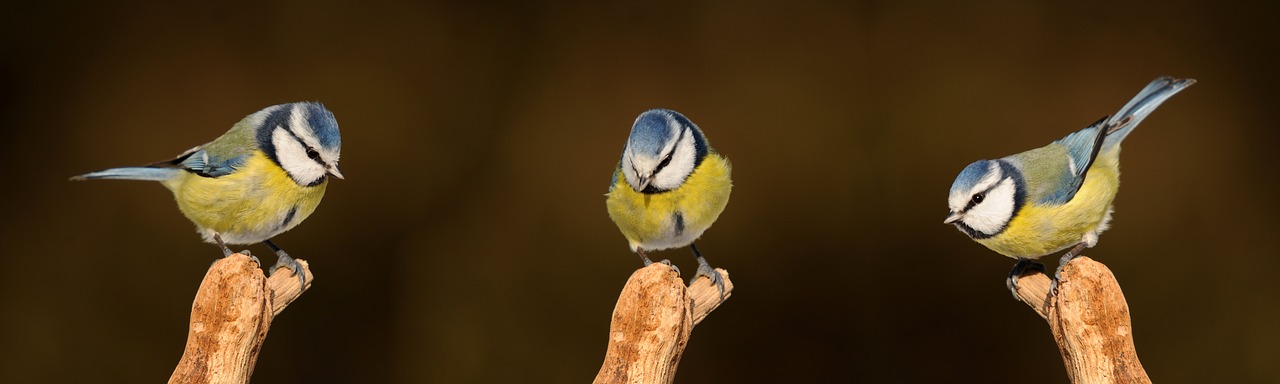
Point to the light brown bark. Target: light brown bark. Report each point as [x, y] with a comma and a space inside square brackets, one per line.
[1089, 318]
[652, 321]
[230, 317]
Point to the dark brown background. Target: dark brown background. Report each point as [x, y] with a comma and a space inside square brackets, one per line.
[470, 242]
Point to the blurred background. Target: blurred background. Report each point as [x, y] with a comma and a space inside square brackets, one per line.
[470, 244]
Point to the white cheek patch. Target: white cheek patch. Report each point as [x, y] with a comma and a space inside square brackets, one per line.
[628, 171]
[995, 211]
[680, 166]
[293, 158]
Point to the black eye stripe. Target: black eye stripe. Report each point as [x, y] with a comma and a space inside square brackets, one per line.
[970, 205]
[674, 147]
[982, 196]
[665, 161]
[311, 152]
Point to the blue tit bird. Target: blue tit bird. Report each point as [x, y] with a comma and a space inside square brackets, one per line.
[669, 187]
[261, 178]
[1040, 201]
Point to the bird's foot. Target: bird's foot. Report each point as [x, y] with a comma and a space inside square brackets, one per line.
[1062, 262]
[284, 261]
[251, 256]
[673, 266]
[227, 253]
[1018, 270]
[705, 269]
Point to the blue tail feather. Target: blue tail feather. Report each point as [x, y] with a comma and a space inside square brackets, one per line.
[1143, 104]
[131, 173]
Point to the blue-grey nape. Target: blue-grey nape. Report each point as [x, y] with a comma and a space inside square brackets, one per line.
[653, 129]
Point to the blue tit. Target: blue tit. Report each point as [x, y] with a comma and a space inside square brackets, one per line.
[263, 177]
[1040, 201]
[669, 187]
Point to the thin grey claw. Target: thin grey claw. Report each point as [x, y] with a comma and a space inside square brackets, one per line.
[292, 265]
[673, 266]
[1018, 269]
[704, 269]
[711, 273]
[283, 260]
[1071, 254]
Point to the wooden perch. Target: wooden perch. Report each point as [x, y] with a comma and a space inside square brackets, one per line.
[1089, 319]
[229, 319]
[651, 324]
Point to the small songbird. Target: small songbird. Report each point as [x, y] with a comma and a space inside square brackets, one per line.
[1054, 197]
[261, 178]
[669, 187]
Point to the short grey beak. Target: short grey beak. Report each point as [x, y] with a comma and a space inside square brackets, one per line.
[333, 170]
[644, 183]
[952, 218]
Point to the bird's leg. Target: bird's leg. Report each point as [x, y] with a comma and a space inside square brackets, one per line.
[283, 260]
[227, 251]
[1066, 258]
[1018, 269]
[644, 258]
[705, 269]
[647, 262]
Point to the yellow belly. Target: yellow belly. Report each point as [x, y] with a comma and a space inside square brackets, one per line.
[674, 218]
[1038, 230]
[255, 203]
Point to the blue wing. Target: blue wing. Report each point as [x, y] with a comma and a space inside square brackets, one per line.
[195, 160]
[200, 162]
[1082, 148]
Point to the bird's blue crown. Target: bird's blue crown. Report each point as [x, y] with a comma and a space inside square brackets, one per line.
[324, 124]
[318, 118]
[970, 176]
[653, 130]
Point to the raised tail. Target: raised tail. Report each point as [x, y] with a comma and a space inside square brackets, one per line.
[131, 173]
[1124, 121]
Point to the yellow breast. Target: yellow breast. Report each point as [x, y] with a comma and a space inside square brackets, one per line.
[1038, 230]
[256, 202]
[674, 218]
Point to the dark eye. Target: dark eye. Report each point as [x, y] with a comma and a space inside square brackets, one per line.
[664, 163]
[313, 154]
[978, 197]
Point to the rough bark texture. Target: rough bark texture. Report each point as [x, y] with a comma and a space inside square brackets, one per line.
[651, 324]
[230, 318]
[1089, 319]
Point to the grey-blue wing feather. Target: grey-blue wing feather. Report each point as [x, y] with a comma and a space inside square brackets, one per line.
[1082, 148]
[201, 162]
